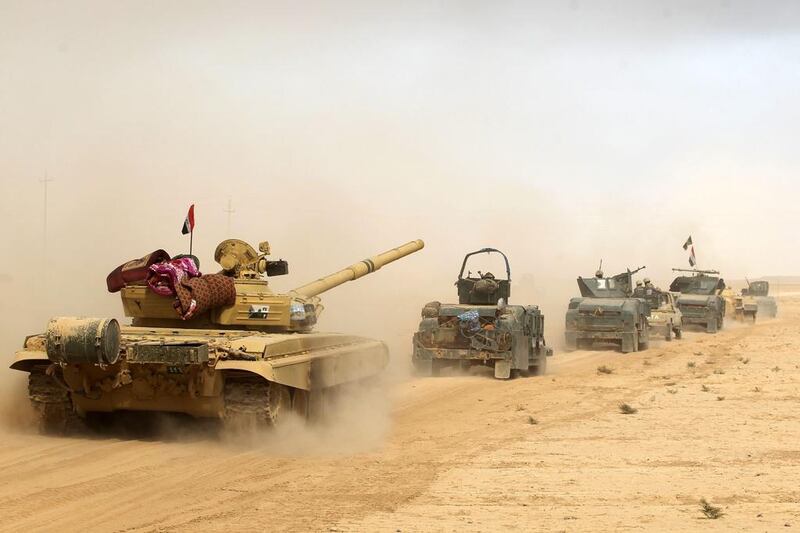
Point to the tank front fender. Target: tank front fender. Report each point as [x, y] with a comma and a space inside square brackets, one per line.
[297, 376]
[25, 360]
[318, 369]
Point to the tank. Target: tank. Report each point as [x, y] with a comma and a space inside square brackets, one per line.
[481, 329]
[242, 353]
[607, 312]
[700, 300]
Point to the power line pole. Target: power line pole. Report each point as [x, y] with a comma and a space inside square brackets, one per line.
[229, 211]
[45, 181]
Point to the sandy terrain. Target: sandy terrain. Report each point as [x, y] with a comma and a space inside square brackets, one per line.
[461, 454]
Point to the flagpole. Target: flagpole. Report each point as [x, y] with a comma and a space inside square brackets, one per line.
[191, 237]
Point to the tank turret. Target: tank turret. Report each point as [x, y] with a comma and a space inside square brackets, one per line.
[256, 306]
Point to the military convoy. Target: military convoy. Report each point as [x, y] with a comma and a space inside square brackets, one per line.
[482, 328]
[608, 312]
[227, 347]
[248, 362]
[700, 300]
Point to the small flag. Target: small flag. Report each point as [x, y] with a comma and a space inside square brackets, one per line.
[692, 258]
[688, 243]
[188, 224]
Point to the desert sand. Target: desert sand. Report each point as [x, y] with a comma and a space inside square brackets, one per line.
[717, 418]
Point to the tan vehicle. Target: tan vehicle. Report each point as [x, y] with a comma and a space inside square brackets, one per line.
[252, 361]
[740, 306]
[665, 318]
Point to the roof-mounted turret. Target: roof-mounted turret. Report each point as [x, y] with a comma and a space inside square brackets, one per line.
[598, 286]
[485, 289]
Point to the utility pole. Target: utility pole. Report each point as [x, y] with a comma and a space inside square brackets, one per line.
[229, 211]
[45, 181]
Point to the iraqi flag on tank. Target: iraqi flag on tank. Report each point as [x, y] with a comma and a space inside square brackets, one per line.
[188, 224]
[689, 245]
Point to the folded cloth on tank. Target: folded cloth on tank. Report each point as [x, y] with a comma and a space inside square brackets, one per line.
[162, 278]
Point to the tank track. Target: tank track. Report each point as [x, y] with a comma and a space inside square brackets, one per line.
[247, 403]
[53, 405]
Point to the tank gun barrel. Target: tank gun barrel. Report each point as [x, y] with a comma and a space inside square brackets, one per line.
[357, 270]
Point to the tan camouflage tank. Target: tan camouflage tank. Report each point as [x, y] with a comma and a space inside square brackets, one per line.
[252, 361]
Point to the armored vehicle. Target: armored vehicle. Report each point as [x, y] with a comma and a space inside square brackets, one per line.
[608, 312]
[759, 291]
[665, 317]
[482, 329]
[700, 300]
[740, 306]
[232, 349]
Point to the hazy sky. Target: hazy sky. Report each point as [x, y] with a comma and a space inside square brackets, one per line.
[563, 132]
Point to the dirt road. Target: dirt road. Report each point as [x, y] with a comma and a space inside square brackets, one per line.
[717, 418]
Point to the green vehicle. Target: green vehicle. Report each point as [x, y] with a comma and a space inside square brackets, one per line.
[700, 301]
[607, 312]
[481, 329]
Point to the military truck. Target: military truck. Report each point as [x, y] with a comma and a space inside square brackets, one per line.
[766, 304]
[482, 329]
[607, 312]
[700, 300]
[250, 362]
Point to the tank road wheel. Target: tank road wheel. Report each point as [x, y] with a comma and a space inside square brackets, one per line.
[255, 403]
[53, 405]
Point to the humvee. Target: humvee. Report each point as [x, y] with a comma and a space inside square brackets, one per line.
[607, 312]
[700, 300]
[481, 329]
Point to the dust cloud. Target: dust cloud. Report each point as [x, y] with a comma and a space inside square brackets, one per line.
[339, 132]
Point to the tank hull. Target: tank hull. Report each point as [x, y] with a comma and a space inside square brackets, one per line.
[187, 371]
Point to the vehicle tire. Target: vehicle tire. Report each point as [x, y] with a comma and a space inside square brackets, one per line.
[644, 340]
[436, 368]
[540, 367]
[668, 334]
[423, 368]
[679, 333]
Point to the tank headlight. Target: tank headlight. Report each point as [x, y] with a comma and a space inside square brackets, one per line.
[297, 311]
